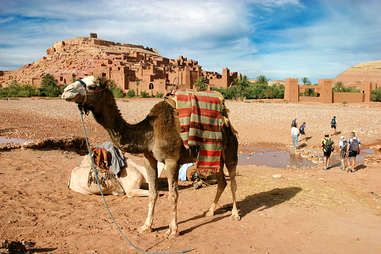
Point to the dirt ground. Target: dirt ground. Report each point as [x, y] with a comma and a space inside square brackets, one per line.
[286, 210]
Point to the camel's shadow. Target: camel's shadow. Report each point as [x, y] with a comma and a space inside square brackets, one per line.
[265, 200]
[260, 201]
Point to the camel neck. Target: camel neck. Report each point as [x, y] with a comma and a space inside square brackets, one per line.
[131, 138]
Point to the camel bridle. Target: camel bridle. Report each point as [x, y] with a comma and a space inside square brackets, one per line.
[82, 106]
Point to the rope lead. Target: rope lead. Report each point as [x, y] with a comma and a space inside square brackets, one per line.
[107, 207]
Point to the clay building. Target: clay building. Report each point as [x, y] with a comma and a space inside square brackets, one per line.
[293, 91]
[129, 66]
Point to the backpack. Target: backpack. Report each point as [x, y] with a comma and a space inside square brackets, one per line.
[333, 122]
[327, 145]
[354, 146]
[345, 145]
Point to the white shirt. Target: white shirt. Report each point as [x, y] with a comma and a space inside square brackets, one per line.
[294, 131]
[341, 143]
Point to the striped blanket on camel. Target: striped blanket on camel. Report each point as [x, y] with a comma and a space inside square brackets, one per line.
[201, 124]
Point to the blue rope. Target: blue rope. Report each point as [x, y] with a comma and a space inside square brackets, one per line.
[107, 207]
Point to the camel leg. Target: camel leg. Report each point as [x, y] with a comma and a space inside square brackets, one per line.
[171, 169]
[220, 188]
[151, 167]
[233, 187]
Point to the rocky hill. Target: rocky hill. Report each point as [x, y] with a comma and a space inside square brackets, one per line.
[129, 66]
[370, 71]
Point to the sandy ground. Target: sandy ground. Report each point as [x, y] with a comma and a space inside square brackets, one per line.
[302, 211]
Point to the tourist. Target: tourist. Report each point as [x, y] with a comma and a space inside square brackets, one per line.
[333, 124]
[327, 146]
[294, 135]
[353, 151]
[301, 128]
[343, 144]
[293, 123]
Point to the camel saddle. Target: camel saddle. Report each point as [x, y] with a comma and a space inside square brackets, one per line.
[102, 159]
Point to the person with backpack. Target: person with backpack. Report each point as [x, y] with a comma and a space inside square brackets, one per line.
[327, 146]
[301, 128]
[353, 151]
[333, 124]
[343, 151]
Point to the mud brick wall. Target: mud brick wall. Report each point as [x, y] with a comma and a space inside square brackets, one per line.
[347, 97]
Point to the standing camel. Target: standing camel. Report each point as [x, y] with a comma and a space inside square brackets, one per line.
[158, 138]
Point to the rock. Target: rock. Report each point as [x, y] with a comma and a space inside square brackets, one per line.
[277, 176]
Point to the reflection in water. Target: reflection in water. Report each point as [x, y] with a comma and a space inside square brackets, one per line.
[283, 159]
[336, 161]
[272, 158]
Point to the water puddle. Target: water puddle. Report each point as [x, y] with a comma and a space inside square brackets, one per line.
[272, 158]
[336, 161]
[7, 140]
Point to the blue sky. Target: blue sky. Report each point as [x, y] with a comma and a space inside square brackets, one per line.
[275, 38]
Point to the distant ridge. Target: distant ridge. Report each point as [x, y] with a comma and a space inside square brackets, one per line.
[363, 72]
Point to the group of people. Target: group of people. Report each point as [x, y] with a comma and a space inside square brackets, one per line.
[349, 148]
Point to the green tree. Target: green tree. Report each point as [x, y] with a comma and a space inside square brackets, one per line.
[201, 84]
[261, 79]
[306, 81]
[48, 87]
[340, 88]
[376, 94]
[16, 90]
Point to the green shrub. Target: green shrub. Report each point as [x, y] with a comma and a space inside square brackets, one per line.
[248, 90]
[340, 88]
[376, 94]
[16, 90]
[144, 94]
[159, 95]
[310, 92]
[131, 93]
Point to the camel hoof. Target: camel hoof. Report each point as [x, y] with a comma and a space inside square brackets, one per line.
[145, 229]
[169, 234]
[235, 216]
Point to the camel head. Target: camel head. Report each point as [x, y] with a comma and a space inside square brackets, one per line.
[85, 91]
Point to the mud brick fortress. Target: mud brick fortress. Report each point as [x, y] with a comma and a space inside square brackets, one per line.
[325, 94]
[365, 77]
[129, 66]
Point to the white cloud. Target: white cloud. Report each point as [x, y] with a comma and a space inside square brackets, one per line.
[217, 33]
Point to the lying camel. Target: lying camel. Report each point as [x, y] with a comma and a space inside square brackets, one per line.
[128, 183]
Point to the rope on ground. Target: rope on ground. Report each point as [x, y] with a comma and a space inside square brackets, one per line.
[107, 207]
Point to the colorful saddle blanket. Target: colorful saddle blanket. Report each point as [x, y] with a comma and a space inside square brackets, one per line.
[201, 124]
